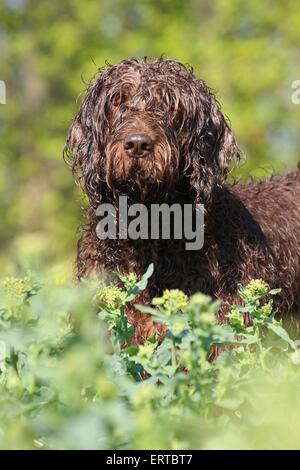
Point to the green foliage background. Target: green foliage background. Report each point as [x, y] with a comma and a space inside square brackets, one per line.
[247, 51]
[72, 379]
[55, 374]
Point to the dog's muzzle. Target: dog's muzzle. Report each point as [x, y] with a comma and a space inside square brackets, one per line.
[138, 145]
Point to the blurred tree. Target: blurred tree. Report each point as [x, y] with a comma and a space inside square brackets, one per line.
[247, 51]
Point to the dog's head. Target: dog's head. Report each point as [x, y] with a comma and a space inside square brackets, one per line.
[150, 123]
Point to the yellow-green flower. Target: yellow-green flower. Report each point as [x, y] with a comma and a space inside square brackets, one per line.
[199, 300]
[146, 350]
[208, 318]
[172, 301]
[60, 279]
[111, 296]
[255, 288]
[266, 310]
[235, 318]
[144, 394]
[130, 280]
[177, 327]
[16, 288]
[16, 292]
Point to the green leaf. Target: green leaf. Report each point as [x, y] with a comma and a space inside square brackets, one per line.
[140, 285]
[131, 350]
[281, 332]
[274, 291]
[146, 309]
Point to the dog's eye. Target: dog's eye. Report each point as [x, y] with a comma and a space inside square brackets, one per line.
[116, 100]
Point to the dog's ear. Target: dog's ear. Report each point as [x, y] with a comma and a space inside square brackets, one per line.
[83, 147]
[218, 140]
[214, 147]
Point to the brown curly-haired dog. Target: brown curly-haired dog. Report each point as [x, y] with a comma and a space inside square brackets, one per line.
[150, 130]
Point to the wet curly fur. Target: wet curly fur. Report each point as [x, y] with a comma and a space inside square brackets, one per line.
[251, 230]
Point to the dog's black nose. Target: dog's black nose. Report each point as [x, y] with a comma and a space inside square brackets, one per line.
[138, 145]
